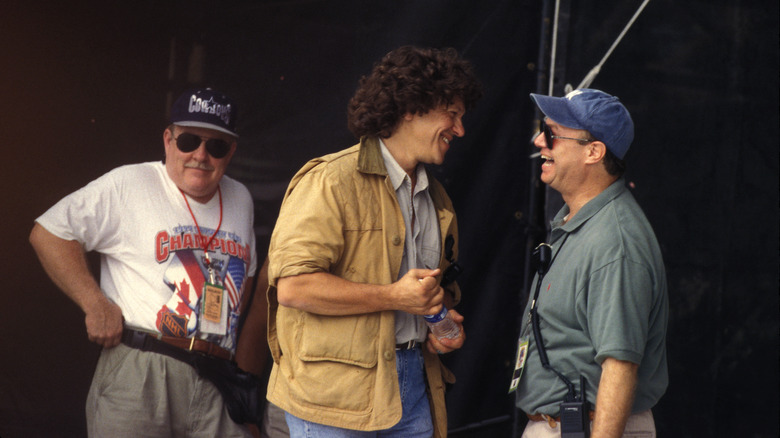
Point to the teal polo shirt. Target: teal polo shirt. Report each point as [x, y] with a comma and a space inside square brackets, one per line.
[604, 296]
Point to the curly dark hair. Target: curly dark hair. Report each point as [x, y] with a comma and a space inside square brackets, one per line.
[410, 80]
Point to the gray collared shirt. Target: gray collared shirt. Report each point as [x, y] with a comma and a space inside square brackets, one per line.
[605, 295]
[422, 243]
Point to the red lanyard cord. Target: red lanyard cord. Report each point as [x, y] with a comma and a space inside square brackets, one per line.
[219, 225]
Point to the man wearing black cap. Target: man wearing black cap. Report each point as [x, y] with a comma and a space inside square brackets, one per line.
[595, 335]
[177, 252]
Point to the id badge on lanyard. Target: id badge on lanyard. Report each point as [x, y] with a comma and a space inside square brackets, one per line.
[213, 299]
[522, 355]
[213, 307]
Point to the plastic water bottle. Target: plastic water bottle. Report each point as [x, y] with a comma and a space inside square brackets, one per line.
[442, 326]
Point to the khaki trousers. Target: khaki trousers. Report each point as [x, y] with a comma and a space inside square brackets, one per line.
[640, 425]
[144, 394]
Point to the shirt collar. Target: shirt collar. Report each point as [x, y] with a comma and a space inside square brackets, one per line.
[398, 175]
[590, 208]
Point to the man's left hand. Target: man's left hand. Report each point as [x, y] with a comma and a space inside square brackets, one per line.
[445, 345]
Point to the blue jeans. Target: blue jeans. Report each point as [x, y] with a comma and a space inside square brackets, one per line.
[416, 418]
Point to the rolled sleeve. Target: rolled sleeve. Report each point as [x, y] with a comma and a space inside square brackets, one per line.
[619, 302]
[308, 236]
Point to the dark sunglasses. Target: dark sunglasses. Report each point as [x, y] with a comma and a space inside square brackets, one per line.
[548, 136]
[216, 147]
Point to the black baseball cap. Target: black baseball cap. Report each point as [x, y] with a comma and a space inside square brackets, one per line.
[205, 108]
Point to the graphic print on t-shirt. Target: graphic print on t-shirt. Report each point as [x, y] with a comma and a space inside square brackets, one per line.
[186, 276]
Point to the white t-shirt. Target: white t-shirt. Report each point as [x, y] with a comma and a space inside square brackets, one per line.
[151, 254]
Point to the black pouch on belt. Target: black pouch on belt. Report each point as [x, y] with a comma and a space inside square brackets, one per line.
[240, 390]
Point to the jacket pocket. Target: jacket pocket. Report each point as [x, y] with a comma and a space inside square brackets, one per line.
[338, 365]
[346, 339]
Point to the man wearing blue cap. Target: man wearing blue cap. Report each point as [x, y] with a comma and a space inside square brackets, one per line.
[177, 252]
[593, 341]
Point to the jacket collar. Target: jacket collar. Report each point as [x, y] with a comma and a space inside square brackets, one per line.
[370, 157]
[370, 161]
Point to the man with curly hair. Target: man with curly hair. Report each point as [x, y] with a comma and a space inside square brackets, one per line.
[357, 257]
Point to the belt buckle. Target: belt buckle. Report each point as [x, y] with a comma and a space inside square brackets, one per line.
[192, 342]
[137, 339]
[408, 345]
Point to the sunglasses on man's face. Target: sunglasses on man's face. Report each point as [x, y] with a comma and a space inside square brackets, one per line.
[548, 136]
[217, 148]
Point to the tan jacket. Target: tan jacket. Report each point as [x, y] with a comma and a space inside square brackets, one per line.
[340, 215]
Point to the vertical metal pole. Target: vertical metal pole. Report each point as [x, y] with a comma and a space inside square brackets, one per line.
[553, 201]
[535, 223]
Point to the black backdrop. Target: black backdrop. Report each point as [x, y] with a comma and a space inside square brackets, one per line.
[85, 88]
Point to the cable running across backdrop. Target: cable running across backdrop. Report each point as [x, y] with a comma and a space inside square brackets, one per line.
[591, 76]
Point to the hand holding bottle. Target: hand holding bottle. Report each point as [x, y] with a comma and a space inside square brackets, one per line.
[441, 325]
[442, 345]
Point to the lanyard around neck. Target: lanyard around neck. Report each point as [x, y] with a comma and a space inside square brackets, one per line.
[572, 393]
[542, 274]
[202, 239]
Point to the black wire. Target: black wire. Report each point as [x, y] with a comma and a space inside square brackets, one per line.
[572, 393]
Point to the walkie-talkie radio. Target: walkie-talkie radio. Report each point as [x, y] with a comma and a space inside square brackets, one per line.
[575, 421]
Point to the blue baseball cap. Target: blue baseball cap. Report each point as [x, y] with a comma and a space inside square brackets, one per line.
[205, 108]
[594, 111]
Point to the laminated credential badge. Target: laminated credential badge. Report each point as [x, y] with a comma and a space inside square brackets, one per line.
[522, 354]
[213, 309]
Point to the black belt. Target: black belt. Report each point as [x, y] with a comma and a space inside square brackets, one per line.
[178, 348]
[409, 345]
[551, 421]
[240, 389]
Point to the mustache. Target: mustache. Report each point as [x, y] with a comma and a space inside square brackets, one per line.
[196, 165]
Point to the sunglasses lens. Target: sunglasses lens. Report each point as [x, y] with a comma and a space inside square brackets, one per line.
[547, 135]
[187, 142]
[217, 148]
